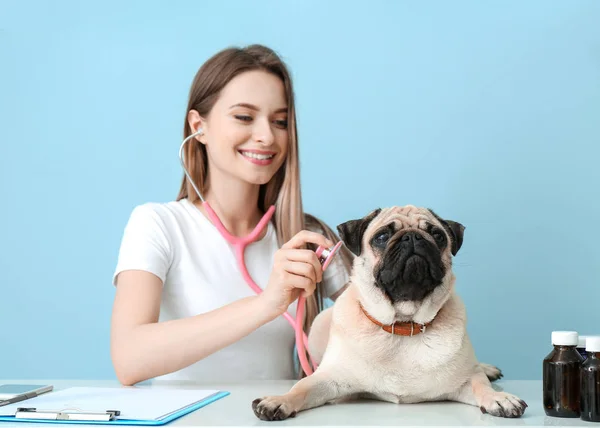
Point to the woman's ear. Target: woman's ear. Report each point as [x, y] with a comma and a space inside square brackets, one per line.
[196, 122]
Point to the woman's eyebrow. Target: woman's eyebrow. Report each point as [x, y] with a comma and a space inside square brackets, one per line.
[253, 107]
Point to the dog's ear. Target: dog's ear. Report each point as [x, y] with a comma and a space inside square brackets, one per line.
[351, 232]
[457, 231]
[454, 229]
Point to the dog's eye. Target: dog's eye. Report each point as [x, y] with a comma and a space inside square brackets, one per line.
[438, 236]
[381, 239]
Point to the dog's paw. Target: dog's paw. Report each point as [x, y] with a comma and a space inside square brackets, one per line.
[502, 404]
[275, 408]
[492, 372]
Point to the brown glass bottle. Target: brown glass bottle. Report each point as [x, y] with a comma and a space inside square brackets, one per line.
[590, 382]
[581, 347]
[561, 384]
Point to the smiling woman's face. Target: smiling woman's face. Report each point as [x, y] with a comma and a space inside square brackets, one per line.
[246, 132]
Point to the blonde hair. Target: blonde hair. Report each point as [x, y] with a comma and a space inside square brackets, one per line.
[283, 190]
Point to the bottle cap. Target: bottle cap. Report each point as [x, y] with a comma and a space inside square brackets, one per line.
[565, 338]
[592, 344]
[581, 343]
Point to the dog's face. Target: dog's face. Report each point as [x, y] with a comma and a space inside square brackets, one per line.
[405, 252]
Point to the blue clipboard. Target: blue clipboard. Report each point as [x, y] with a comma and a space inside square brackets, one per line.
[116, 421]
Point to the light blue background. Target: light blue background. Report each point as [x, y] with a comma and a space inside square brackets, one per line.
[488, 112]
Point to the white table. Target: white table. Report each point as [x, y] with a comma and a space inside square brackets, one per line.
[235, 410]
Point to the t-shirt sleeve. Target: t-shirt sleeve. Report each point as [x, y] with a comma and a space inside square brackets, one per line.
[145, 244]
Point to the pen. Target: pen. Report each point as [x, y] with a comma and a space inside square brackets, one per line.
[61, 415]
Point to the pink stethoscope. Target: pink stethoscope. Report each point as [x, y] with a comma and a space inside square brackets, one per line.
[325, 256]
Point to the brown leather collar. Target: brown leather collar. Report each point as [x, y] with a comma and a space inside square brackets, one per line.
[408, 328]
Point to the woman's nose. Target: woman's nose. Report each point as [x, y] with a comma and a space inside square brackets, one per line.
[263, 133]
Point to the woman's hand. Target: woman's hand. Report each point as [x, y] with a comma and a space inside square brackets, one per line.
[295, 272]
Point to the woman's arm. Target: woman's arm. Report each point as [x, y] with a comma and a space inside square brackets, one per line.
[142, 348]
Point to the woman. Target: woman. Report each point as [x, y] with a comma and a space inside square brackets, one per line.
[182, 309]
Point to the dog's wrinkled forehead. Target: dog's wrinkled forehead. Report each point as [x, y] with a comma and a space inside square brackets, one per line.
[398, 218]
[405, 217]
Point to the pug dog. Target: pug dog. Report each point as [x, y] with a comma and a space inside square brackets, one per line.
[398, 331]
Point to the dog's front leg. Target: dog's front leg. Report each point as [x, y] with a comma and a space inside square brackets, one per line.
[312, 391]
[479, 392]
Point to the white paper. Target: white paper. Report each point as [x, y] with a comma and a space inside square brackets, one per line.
[141, 403]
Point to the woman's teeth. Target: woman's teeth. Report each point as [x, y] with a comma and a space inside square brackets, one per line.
[256, 155]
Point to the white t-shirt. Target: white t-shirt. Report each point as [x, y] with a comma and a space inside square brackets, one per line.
[200, 273]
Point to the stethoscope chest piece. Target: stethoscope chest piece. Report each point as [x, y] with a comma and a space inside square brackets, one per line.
[326, 255]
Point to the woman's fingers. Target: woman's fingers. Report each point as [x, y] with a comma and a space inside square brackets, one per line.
[306, 257]
[307, 285]
[304, 237]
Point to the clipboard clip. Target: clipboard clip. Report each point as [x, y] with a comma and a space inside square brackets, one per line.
[65, 415]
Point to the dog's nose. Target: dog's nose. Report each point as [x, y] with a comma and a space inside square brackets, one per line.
[412, 236]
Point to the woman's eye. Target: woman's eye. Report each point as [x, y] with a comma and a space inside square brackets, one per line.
[281, 123]
[243, 118]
